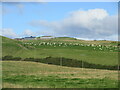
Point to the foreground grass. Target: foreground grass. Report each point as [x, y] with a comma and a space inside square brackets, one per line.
[18, 74]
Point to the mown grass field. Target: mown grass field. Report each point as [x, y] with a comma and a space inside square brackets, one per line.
[21, 74]
[106, 54]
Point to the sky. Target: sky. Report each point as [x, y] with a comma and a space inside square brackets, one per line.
[82, 20]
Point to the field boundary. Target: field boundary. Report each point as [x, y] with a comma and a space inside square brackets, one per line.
[61, 61]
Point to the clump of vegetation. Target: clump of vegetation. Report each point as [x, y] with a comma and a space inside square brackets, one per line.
[9, 57]
[63, 62]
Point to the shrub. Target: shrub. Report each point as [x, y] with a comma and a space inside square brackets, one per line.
[29, 59]
[17, 58]
[64, 62]
[8, 57]
[75, 63]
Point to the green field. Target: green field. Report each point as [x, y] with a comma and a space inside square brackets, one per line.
[102, 52]
[21, 74]
[25, 74]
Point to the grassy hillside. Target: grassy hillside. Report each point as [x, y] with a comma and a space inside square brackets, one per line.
[64, 38]
[97, 52]
[11, 47]
[36, 75]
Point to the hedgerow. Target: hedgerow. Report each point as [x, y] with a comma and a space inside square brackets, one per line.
[63, 62]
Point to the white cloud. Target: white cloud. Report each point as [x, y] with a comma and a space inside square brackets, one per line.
[112, 37]
[8, 33]
[92, 24]
[28, 32]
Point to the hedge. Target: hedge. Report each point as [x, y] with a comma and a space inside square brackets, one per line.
[63, 62]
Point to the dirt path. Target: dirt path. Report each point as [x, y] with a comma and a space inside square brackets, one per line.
[22, 46]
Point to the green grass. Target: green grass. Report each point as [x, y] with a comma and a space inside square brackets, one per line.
[18, 74]
[21, 74]
[104, 58]
[84, 53]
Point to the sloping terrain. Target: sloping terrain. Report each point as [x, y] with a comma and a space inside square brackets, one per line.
[11, 47]
[62, 47]
[25, 74]
[19, 74]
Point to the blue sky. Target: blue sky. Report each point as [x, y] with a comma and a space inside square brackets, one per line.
[23, 18]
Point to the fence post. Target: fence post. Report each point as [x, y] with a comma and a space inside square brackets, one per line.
[82, 65]
[61, 61]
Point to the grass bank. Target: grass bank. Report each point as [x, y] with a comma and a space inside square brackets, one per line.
[37, 75]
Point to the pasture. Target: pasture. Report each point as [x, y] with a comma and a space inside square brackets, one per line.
[97, 52]
[32, 75]
[25, 74]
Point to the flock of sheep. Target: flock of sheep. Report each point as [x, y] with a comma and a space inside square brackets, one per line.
[61, 44]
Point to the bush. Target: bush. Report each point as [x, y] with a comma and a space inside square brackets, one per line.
[29, 59]
[75, 63]
[8, 57]
[64, 62]
[17, 58]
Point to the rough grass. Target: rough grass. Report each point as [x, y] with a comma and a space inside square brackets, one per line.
[18, 74]
[17, 49]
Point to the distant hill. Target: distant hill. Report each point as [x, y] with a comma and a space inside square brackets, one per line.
[65, 38]
[62, 47]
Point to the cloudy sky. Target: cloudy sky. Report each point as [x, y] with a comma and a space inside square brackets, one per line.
[83, 20]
